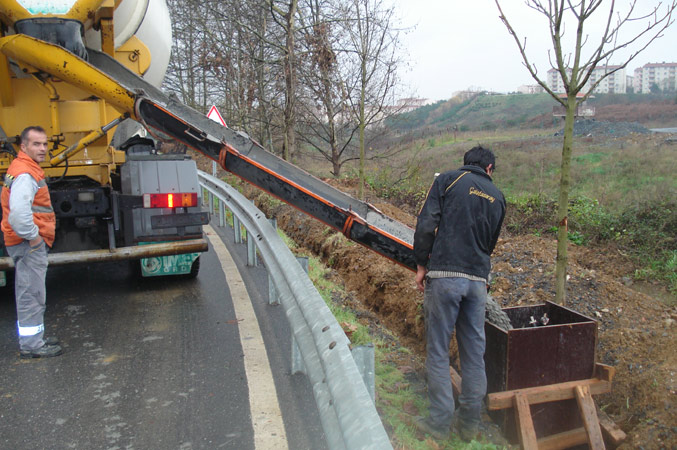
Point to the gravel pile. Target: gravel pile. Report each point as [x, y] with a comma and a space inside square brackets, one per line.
[591, 127]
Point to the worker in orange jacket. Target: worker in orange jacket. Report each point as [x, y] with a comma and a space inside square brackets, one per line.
[28, 225]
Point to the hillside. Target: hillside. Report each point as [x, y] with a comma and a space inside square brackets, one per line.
[490, 112]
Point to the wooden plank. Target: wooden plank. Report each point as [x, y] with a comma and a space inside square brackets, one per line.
[604, 372]
[612, 433]
[455, 381]
[525, 426]
[549, 393]
[589, 416]
[564, 440]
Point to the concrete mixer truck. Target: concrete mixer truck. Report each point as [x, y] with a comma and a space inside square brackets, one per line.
[115, 195]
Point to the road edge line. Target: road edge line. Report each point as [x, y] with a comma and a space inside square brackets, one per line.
[266, 416]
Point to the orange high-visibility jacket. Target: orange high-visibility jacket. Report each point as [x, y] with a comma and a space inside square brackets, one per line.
[43, 214]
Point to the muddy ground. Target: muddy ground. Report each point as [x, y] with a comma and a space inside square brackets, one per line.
[636, 332]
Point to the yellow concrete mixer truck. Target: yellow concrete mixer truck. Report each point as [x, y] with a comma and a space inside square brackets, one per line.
[83, 70]
[115, 195]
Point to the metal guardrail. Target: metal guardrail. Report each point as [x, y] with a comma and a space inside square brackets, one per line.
[347, 412]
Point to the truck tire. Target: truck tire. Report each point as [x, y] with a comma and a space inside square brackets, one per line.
[194, 269]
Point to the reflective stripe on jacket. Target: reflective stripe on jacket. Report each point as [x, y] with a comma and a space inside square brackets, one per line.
[43, 214]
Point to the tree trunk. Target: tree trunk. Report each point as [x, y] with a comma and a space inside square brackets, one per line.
[363, 125]
[563, 203]
[290, 84]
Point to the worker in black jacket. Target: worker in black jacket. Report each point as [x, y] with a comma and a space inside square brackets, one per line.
[456, 232]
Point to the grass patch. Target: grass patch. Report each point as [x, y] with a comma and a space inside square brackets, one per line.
[398, 403]
[320, 276]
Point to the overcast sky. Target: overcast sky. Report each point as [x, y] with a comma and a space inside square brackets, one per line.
[453, 45]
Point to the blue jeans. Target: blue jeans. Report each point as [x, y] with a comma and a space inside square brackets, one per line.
[459, 303]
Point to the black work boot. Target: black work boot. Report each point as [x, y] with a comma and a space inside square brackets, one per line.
[52, 340]
[467, 432]
[426, 425]
[466, 429]
[46, 351]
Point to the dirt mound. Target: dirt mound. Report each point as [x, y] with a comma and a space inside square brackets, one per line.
[636, 332]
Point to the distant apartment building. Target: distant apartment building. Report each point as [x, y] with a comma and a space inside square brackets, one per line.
[405, 105]
[612, 83]
[637, 80]
[554, 81]
[655, 75]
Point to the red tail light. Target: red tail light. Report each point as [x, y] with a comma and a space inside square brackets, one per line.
[169, 200]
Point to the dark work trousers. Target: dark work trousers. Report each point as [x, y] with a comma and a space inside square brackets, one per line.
[30, 269]
[457, 302]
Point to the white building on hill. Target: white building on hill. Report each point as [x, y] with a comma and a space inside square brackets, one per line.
[656, 75]
[613, 83]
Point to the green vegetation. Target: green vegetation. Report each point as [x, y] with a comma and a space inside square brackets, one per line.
[488, 112]
[479, 112]
[623, 192]
[398, 404]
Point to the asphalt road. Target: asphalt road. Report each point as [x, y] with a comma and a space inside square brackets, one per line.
[148, 364]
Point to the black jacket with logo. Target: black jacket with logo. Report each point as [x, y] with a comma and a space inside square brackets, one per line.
[459, 224]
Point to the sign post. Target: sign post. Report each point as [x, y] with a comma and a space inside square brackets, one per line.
[216, 116]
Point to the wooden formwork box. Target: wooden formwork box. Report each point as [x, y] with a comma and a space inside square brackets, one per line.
[541, 379]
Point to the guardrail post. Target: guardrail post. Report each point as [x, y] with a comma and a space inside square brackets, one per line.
[213, 168]
[364, 360]
[211, 203]
[237, 231]
[303, 261]
[251, 250]
[297, 364]
[222, 214]
[273, 299]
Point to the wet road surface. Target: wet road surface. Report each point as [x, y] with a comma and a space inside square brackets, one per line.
[148, 364]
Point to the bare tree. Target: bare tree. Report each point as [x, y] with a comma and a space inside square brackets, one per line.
[284, 14]
[576, 66]
[326, 124]
[186, 75]
[225, 54]
[373, 44]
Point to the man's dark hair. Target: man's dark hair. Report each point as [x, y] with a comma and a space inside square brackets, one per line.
[24, 133]
[479, 156]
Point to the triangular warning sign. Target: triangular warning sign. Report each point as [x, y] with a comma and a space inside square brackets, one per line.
[215, 115]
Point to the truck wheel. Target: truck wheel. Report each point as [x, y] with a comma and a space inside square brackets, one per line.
[135, 269]
[194, 269]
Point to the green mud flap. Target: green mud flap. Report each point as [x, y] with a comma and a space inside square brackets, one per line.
[157, 266]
